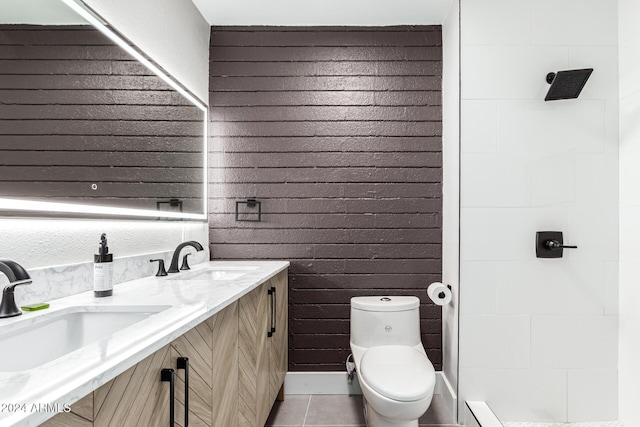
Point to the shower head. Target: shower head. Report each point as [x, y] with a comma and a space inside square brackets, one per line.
[567, 84]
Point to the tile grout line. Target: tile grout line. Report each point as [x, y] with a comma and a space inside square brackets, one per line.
[304, 422]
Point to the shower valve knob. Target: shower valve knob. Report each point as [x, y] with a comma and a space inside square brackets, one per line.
[554, 244]
[550, 244]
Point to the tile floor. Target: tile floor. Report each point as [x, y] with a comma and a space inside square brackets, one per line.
[329, 410]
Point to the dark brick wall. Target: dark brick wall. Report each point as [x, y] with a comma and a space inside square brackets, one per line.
[338, 132]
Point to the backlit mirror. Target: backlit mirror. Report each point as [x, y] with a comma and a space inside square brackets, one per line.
[88, 124]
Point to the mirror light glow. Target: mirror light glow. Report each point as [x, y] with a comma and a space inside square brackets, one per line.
[39, 206]
[91, 16]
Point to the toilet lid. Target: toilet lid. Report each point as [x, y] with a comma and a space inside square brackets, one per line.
[398, 372]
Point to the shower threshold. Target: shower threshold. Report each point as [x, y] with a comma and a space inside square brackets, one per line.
[479, 414]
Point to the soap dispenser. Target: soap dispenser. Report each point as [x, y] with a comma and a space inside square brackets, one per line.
[103, 270]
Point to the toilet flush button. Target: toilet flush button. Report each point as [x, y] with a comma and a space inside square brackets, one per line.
[387, 328]
[385, 299]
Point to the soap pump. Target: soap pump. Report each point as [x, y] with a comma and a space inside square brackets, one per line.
[103, 270]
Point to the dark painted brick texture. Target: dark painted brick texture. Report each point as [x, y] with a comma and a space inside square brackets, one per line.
[338, 132]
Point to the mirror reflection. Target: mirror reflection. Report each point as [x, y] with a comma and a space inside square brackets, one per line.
[81, 121]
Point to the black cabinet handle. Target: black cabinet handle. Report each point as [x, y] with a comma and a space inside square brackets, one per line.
[168, 375]
[183, 363]
[270, 329]
[274, 316]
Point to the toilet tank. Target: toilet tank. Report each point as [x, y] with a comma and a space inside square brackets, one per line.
[385, 320]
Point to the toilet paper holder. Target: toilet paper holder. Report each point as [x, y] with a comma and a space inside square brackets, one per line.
[441, 294]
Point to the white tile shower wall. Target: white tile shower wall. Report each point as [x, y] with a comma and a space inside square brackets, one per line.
[574, 342]
[581, 384]
[512, 25]
[509, 345]
[551, 127]
[518, 393]
[629, 307]
[575, 22]
[547, 287]
[533, 329]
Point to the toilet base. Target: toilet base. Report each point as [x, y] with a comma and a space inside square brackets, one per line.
[373, 419]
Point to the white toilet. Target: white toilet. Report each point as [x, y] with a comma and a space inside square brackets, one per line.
[396, 376]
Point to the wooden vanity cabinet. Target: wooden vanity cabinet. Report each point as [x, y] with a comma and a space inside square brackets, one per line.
[262, 362]
[236, 371]
[197, 346]
[137, 397]
[210, 348]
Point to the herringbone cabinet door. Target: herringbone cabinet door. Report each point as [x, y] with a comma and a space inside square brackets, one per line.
[196, 345]
[262, 360]
[225, 367]
[136, 397]
[248, 325]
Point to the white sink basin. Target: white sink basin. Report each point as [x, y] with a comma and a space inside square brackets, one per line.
[54, 335]
[217, 273]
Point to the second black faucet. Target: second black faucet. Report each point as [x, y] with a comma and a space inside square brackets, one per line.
[173, 268]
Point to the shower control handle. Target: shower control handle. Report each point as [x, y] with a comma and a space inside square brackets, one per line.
[550, 244]
[554, 244]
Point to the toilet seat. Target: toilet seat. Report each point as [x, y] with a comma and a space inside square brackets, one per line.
[398, 372]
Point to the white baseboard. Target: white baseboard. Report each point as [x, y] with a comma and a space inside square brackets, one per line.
[336, 383]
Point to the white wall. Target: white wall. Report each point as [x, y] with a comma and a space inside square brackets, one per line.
[629, 357]
[324, 12]
[42, 243]
[172, 32]
[451, 187]
[538, 338]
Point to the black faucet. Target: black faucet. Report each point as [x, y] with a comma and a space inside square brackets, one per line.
[176, 254]
[17, 276]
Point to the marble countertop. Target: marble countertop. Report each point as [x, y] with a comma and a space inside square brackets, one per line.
[24, 395]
